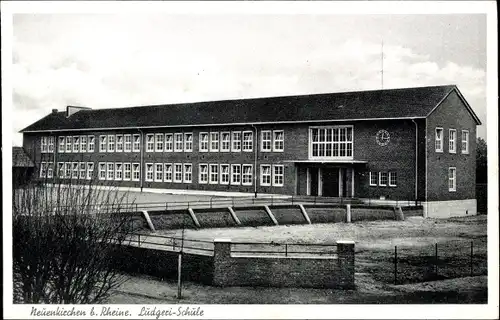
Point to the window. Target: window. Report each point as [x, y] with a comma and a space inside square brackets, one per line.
[214, 141]
[203, 174]
[265, 144]
[452, 179]
[128, 143]
[102, 171]
[43, 169]
[203, 141]
[247, 141]
[439, 140]
[90, 170]
[188, 173]
[265, 171]
[150, 142]
[178, 172]
[44, 144]
[214, 173]
[111, 143]
[69, 140]
[382, 179]
[168, 172]
[127, 171]
[279, 140]
[51, 144]
[91, 143]
[236, 146]
[169, 142]
[50, 170]
[393, 179]
[74, 170]
[67, 171]
[102, 143]
[247, 174]
[465, 141]
[83, 170]
[61, 144]
[373, 178]
[235, 174]
[111, 171]
[178, 142]
[278, 175]
[83, 143]
[119, 143]
[76, 144]
[118, 171]
[330, 142]
[136, 172]
[60, 170]
[158, 172]
[159, 142]
[224, 174]
[137, 143]
[452, 141]
[188, 142]
[149, 172]
[225, 141]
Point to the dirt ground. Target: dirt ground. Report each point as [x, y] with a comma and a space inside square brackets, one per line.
[375, 242]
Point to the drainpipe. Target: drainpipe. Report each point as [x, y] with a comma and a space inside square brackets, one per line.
[141, 148]
[416, 160]
[256, 146]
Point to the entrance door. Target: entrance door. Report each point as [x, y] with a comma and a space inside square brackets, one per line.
[313, 181]
[330, 182]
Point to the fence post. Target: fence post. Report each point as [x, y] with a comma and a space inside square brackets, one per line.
[395, 264]
[139, 239]
[436, 260]
[210, 202]
[179, 275]
[345, 264]
[471, 254]
[286, 249]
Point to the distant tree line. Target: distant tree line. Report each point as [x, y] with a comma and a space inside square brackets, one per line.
[481, 161]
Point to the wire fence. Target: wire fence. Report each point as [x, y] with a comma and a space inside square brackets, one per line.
[205, 247]
[218, 202]
[438, 261]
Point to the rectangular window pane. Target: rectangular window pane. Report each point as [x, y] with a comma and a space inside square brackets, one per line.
[214, 141]
[62, 144]
[159, 171]
[465, 141]
[265, 141]
[382, 181]
[265, 175]
[159, 142]
[169, 142]
[127, 171]
[330, 142]
[111, 171]
[235, 174]
[91, 145]
[214, 173]
[247, 141]
[168, 172]
[203, 141]
[149, 172]
[373, 178]
[224, 174]
[136, 171]
[452, 140]
[392, 179]
[128, 143]
[225, 141]
[278, 175]
[236, 141]
[247, 176]
[177, 172]
[188, 173]
[137, 143]
[150, 142]
[188, 142]
[452, 179]
[203, 173]
[178, 143]
[439, 140]
[119, 143]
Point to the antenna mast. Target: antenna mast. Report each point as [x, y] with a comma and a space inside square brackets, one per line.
[382, 69]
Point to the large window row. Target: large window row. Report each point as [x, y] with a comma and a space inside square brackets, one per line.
[120, 143]
[226, 141]
[331, 142]
[119, 171]
[75, 144]
[169, 172]
[169, 142]
[70, 170]
[272, 141]
[383, 179]
[452, 140]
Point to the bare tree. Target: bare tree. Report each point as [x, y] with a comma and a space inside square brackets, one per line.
[64, 237]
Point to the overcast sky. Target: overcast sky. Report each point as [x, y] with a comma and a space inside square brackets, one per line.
[103, 61]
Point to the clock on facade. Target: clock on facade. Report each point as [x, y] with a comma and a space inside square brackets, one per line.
[383, 137]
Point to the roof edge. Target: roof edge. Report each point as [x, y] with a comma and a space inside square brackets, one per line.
[467, 105]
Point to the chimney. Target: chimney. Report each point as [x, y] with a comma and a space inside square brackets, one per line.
[73, 109]
[54, 111]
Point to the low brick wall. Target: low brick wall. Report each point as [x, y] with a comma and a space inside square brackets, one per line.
[163, 264]
[326, 213]
[171, 219]
[307, 272]
[253, 216]
[361, 213]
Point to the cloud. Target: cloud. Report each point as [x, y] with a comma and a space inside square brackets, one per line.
[107, 72]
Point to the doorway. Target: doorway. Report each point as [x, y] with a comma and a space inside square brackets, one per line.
[331, 182]
[313, 181]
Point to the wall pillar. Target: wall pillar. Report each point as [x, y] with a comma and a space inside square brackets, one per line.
[345, 263]
[222, 257]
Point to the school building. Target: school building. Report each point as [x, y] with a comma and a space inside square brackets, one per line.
[415, 144]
